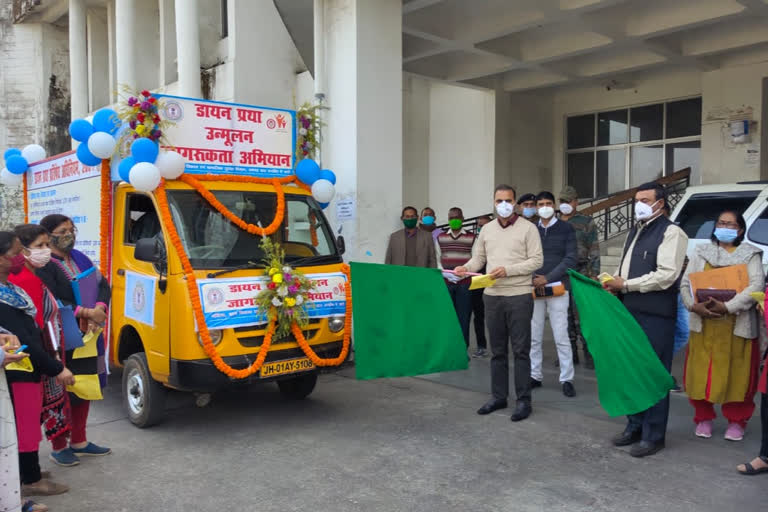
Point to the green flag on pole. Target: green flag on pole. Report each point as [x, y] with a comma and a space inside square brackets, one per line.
[404, 322]
[630, 377]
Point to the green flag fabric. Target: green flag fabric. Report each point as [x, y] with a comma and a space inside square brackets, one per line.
[404, 322]
[630, 377]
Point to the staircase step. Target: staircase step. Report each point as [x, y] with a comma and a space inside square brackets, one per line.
[614, 251]
[609, 263]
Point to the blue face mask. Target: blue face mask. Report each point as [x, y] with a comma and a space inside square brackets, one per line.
[726, 235]
[529, 212]
[428, 220]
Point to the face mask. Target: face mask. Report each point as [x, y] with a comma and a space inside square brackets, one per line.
[529, 212]
[566, 209]
[39, 257]
[63, 242]
[546, 212]
[726, 235]
[410, 223]
[643, 211]
[505, 209]
[428, 220]
[17, 263]
[455, 224]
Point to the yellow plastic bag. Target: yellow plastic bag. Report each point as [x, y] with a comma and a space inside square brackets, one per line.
[25, 365]
[481, 282]
[86, 387]
[89, 348]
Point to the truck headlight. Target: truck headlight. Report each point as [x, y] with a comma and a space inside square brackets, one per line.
[216, 336]
[336, 323]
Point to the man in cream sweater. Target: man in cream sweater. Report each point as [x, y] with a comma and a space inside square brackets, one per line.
[510, 248]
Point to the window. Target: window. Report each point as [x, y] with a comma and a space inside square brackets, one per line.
[630, 146]
[143, 221]
[224, 19]
[758, 231]
[697, 218]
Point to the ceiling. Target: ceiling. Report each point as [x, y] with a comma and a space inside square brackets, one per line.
[521, 45]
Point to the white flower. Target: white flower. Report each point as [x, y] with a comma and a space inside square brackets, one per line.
[277, 302]
[299, 300]
[282, 291]
[287, 269]
[302, 131]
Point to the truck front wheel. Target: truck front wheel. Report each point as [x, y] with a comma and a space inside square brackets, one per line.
[298, 388]
[143, 397]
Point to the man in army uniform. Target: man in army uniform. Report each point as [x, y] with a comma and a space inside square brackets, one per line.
[588, 262]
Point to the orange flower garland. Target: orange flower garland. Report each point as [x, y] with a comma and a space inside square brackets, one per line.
[234, 219]
[313, 229]
[106, 218]
[208, 346]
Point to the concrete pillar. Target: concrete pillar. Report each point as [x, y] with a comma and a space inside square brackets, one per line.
[125, 35]
[188, 48]
[112, 51]
[168, 71]
[78, 59]
[363, 140]
[98, 59]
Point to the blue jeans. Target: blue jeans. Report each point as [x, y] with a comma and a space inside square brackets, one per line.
[681, 326]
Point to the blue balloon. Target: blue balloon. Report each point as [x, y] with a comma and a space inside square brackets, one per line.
[323, 205]
[327, 174]
[106, 120]
[144, 150]
[80, 130]
[124, 169]
[308, 171]
[10, 152]
[86, 157]
[17, 164]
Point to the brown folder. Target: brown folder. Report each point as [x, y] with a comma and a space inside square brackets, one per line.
[734, 277]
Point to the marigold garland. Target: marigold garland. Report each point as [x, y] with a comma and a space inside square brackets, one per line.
[106, 218]
[313, 229]
[234, 219]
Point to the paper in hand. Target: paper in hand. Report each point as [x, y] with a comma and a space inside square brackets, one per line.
[481, 282]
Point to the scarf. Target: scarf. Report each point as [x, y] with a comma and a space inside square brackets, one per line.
[13, 296]
[56, 414]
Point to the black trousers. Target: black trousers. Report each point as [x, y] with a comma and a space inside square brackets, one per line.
[764, 422]
[661, 333]
[29, 467]
[462, 303]
[509, 322]
[478, 309]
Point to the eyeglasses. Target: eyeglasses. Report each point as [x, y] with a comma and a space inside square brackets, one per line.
[72, 231]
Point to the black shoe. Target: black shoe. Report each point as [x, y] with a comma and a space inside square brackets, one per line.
[645, 448]
[626, 438]
[535, 383]
[492, 405]
[569, 390]
[522, 411]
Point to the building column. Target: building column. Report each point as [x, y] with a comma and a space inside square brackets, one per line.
[188, 48]
[363, 139]
[125, 33]
[78, 59]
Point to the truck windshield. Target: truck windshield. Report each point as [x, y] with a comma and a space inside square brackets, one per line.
[697, 218]
[212, 242]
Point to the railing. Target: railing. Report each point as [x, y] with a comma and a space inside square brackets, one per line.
[615, 214]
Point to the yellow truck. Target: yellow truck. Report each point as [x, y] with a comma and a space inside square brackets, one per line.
[153, 331]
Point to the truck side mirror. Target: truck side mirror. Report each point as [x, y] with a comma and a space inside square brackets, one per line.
[149, 250]
[341, 245]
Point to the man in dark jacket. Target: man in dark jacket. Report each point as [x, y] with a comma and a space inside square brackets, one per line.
[558, 242]
[648, 282]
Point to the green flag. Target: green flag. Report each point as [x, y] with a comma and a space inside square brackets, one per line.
[630, 377]
[404, 322]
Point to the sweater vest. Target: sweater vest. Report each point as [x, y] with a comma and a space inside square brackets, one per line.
[455, 251]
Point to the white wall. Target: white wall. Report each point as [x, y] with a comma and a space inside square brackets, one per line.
[416, 123]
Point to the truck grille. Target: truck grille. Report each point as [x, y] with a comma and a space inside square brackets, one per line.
[248, 337]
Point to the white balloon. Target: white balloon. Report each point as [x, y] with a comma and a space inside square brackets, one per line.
[144, 176]
[323, 191]
[101, 145]
[33, 153]
[171, 164]
[10, 179]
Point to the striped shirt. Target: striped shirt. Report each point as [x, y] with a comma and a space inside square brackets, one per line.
[454, 250]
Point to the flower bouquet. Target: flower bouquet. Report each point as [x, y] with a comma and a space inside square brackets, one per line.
[286, 294]
[141, 110]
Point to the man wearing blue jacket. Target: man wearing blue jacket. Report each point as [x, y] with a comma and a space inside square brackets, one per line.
[558, 242]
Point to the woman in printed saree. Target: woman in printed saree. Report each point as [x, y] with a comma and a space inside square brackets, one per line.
[723, 350]
[67, 263]
[18, 312]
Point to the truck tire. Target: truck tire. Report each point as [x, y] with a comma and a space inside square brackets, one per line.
[299, 387]
[143, 397]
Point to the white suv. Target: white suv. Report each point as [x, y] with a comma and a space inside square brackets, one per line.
[697, 212]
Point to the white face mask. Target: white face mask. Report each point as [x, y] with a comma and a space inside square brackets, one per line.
[644, 211]
[39, 258]
[546, 212]
[566, 209]
[505, 209]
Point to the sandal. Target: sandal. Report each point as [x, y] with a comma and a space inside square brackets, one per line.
[751, 471]
[31, 506]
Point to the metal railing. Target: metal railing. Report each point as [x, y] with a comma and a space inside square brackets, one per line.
[615, 214]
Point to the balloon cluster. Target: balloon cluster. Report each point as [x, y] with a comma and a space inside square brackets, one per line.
[147, 165]
[17, 162]
[97, 138]
[322, 181]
